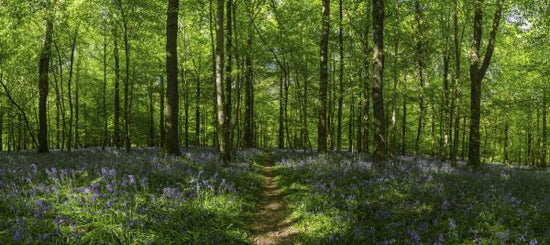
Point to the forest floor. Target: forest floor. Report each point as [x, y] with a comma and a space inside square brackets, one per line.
[272, 225]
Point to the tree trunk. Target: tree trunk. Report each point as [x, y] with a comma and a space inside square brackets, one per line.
[229, 76]
[105, 123]
[223, 141]
[378, 80]
[151, 116]
[477, 73]
[116, 134]
[322, 123]
[281, 138]
[126, 79]
[162, 111]
[455, 105]
[249, 85]
[43, 70]
[420, 62]
[544, 127]
[198, 108]
[393, 130]
[171, 145]
[70, 91]
[340, 79]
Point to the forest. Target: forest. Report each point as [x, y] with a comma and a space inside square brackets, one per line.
[274, 121]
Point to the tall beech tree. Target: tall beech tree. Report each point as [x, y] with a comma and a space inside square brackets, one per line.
[378, 81]
[172, 145]
[43, 72]
[323, 82]
[478, 69]
[223, 124]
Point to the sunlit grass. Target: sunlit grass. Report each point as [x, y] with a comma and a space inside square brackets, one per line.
[91, 196]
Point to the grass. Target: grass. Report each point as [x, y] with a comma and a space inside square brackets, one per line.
[338, 200]
[103, 197]
[91, 196]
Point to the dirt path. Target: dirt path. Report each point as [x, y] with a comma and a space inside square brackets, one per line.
[272, 225]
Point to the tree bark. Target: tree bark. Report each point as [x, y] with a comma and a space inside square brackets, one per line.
[171, 145]
[249, 85]
[116, 134]
[105, 123]
[341, 78]
[43, 70]
[477, 73]
[223, 140]
[162, 111]
[393, 130]
[420, 62]
[378, 81]
[322, 123]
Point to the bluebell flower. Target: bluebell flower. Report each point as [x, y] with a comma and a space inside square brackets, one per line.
[533, 242]
[452, 224]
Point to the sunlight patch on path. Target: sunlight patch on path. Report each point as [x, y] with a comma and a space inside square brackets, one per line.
[272, 224]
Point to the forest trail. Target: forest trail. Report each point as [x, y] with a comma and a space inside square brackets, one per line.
[271, 225]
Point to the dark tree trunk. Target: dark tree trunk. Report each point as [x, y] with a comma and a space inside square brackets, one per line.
[249, 86]
[455, 104]
[161, 114]
[340, 79]
[171, 145]
[70, 91]
[322, 123]
[281, 130]
[393, 130]
[229, 76]
[116, 134]
[544, 127]
[477, 73]
[151, 116]
[44, 65]
[127, 135]
[419, 58]
[105, 123]
[198, 108]
[378, 78]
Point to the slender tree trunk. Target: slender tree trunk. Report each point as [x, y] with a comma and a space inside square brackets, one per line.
[171, 145]
[455, 107]
[44, 65]
[151, 116]
[506, 153]
[70, 91]
[1, 130]
[340, 79]
[404, 127]
[281, 142]
[378, 80]
[229, 76]
[544, 127]
[116, 134]
[77, 105]
[419, 58]
[162, 110]
[322, 113]
[198, 108]
[127, 136]
[393, 130]
[105, 122]
[223, 140]
[249, 85]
